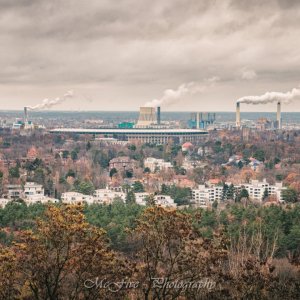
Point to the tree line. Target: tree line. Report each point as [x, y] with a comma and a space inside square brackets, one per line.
[57, 249]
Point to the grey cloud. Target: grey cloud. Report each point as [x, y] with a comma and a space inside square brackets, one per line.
[136, 43]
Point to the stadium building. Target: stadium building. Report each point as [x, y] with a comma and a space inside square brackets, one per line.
[157, 136]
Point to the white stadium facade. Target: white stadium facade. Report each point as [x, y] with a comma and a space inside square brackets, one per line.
[158, 136]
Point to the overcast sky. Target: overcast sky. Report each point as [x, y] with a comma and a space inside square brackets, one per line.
[119, 54]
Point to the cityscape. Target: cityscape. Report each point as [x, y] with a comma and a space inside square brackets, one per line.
[158, 175]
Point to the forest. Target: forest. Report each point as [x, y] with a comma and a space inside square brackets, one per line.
[247, 251]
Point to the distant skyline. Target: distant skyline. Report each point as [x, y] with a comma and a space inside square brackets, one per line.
[119, 55]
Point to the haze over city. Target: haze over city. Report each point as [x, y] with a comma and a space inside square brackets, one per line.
[121, 55]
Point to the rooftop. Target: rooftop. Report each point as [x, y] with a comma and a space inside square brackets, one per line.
[128, 131]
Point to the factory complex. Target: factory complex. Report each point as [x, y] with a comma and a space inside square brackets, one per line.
[150, 127]
[277, 123]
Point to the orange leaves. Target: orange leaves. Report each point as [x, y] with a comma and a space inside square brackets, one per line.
[56, 259]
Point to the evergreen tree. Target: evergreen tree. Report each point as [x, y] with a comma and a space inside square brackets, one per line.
[130, 197]
[266, 194]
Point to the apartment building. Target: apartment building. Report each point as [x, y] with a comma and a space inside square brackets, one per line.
[209, 193]
[204, 195]
[256, 189]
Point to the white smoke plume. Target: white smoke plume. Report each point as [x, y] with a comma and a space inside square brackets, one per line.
[171, 96]
[271, 97]
[48, 103]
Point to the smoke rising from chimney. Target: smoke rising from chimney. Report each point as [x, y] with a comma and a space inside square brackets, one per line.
[48, 103]
[271, 97]
[171, 96]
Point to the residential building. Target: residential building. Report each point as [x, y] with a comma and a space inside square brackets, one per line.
[108, 196]
[123, 163]
[207, 194]
[256, 189]
[33, 189]
[203, 151]
[155, 164]
[187, 146]
[141, 198]
[15, 191]
[255, 164]
[164, 200]
[39, 199]
[76, 198]
[34, 193]
[32, 153]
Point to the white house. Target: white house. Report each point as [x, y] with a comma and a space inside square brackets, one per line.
[35, 193]
[76, 198]
[164, 200]
[156, 164]
[140, 198]
[33, 189]
[15, 191]
[39, 199]
[107, 196]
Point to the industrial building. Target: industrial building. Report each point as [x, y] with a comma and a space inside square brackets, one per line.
[147, 117]
[157, 136]
[278, 123]
[201, 120]
[25, 124]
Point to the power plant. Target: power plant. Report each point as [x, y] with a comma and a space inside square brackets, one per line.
[238, 115]
[201, 120]
[148, 117]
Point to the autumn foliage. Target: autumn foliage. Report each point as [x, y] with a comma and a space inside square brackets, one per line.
[55, 259]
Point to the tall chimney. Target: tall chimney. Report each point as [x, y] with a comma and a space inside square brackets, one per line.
[278, 115]
[158, 115]
[25, 114]
[238, 115]
[198, 120]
